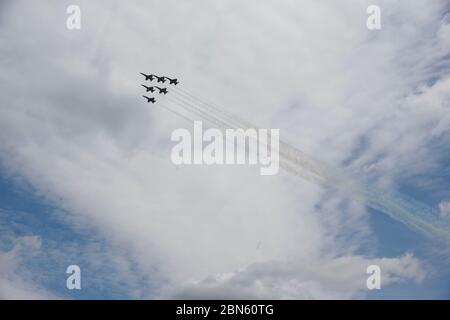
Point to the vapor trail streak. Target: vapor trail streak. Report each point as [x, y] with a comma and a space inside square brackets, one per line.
[399, 207]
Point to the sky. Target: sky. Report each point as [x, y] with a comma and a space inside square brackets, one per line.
[86, 176]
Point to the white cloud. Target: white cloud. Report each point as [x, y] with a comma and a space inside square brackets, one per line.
[72, 123]
[339, 278]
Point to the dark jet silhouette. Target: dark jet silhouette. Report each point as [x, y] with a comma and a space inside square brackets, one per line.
[148, 76]
[162, 90]
[172, 81]
[152, 100]
[151, 89]
[161, 79]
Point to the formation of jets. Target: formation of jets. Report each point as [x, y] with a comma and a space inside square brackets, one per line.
[159, 79]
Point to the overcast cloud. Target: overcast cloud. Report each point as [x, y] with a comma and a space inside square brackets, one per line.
[72, 124]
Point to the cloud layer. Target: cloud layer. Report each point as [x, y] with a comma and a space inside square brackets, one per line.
[72, 123]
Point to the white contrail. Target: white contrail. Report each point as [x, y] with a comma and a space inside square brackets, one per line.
[300, 165]
[413, 214]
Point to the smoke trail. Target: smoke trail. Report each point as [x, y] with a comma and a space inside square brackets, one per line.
[411, 213]
[301, 164]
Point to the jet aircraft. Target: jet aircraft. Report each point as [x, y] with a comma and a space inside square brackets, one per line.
[162, 90]
[152, 100]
